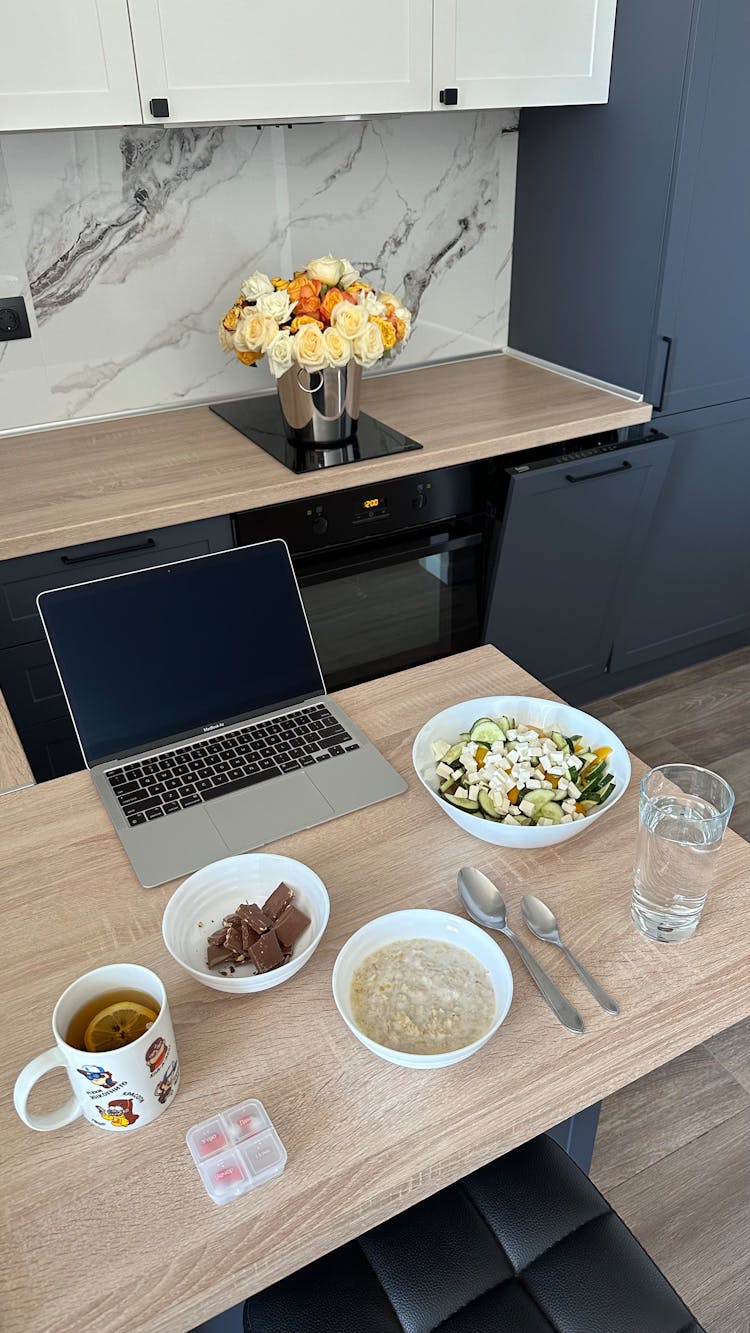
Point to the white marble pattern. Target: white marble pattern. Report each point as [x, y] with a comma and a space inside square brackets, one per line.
[129, 244]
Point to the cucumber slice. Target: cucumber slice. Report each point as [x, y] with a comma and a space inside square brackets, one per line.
[487, 732]
[593, 772]
[550, 811]
[605, 791]
[462, 802]
[589, 805]
[537, 796]
[505, 723]
[452, 755]
[559, 740]
[465, 735]
[487, 805]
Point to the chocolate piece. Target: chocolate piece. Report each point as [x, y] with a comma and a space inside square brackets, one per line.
[231, 919]
[216, 954]
[266, 954]
[277, 903]
[249, 936]
[290, 926]
[255, 918]
[234, 940]
[218, 937]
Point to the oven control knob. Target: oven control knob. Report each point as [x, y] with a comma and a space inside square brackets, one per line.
[419, 501]
[320, 525]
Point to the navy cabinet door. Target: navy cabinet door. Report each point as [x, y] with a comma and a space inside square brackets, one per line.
[692, 583]
[568, 543]
[705, 301]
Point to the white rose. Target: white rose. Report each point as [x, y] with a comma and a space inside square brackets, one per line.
[368, 347]
[256, 285]
[338, 348]
[349, 319]
[371, 303]
[309, 348]
[327, 269]
[277, 305]
[349, 275]
[280, 353]
[226, 338]
[255, 332]
[402, 313]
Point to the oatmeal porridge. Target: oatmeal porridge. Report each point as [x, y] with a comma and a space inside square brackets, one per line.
[423, 997]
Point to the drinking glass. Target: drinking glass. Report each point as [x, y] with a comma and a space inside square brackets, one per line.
[683, 815]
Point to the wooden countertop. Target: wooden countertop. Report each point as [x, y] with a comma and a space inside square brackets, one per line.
[14, 766]
[120, 1234]
[90, 482]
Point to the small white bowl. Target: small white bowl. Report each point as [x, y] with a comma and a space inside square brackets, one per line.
[212, 893]
[544, 713]
[421, 924]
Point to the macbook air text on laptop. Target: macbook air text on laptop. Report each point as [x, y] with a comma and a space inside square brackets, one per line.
[198, 701]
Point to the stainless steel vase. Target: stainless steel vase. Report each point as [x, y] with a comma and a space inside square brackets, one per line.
[320, 406]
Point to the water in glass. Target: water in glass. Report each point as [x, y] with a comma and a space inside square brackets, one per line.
[683, 816]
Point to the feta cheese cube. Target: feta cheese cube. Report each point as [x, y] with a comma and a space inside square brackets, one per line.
[509, 819]
[573, 790]
[556, 769]
[548, 786]
[512, 755]
[548, 745]
[567, 819]
[473, 791]
[511, 734]
[543, 823]
[498, 747]
[535, 751]
[444, 771]
[577, 817]
[569, 807]
[461, 793]
[533, 784]
[527, 808]
[439, 748]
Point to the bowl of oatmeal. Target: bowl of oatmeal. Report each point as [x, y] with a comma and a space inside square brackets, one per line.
[421, 988]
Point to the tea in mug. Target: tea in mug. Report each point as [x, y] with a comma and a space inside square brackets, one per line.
[112, 1020]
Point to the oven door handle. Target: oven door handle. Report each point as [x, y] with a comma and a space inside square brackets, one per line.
[327, 568]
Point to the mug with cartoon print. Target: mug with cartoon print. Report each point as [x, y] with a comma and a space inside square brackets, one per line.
[115, 1089]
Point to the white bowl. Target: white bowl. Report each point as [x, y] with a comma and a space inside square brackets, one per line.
[543, 713]
[421, 924]
[212, 893]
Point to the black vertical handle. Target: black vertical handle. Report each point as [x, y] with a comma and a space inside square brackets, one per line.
[159, 108]
[669, 341]
[449, 96]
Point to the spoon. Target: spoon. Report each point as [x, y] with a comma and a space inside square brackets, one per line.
[542, 922]
[485, 905]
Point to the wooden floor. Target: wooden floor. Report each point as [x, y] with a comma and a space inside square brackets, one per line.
[673, 1150]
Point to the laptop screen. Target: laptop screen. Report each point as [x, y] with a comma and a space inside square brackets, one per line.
[163, 653]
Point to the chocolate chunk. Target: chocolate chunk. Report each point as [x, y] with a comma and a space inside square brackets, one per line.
[290, 926]
[266, 954]
[231, 919]
[255, 918]
[216, 954]
[276, 905]
[218, 937]
[234, 939]
[249, 936]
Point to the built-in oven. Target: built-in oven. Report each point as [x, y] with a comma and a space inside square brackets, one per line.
[392, 574]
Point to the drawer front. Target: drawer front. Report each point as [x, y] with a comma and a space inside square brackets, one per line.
[21, 580]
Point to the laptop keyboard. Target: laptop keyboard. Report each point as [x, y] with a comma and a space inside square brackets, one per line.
[166, 783]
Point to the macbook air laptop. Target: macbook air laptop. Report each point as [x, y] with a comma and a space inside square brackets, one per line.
[198, 701]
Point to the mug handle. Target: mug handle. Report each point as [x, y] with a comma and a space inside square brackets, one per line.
[33, 1071]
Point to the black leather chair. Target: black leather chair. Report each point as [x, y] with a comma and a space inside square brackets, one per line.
[525, 1245]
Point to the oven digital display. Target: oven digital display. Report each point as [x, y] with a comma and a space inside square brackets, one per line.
[374, 506]
[371, 504]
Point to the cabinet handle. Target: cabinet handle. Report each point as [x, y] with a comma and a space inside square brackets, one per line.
[102, 555]
[669, 341]
[625, 466]
[449, 96]
[159, 108]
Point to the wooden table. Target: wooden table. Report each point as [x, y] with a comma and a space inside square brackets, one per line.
[102, 479]
[119, 1234]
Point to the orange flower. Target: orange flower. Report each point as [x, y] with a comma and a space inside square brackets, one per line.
[399, 327]
[387, 331]
[248, 358]
[331, 299]
[359, 287]
[299, 320]
[232, 318]
[280, 284]
[303, 287]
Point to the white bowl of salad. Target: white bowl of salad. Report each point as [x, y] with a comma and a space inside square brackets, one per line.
[520, 772]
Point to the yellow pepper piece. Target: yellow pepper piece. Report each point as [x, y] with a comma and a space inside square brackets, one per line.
[513, 795]
[481, 754]
[602, 751]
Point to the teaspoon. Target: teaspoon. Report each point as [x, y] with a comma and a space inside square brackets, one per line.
[542, 922]
[485, 905]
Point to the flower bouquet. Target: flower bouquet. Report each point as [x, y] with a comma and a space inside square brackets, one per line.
[318, 330]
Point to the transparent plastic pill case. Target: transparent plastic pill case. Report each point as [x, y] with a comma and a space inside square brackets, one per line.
[236, 1150]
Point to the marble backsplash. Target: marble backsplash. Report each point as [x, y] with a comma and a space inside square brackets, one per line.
[128, 245]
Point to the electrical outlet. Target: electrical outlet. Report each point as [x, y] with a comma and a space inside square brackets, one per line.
[14, 322]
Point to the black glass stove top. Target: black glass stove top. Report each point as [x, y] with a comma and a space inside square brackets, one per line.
[260, 420]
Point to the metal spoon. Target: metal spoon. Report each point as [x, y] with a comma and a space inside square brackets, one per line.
[542, 922]
[485, 905]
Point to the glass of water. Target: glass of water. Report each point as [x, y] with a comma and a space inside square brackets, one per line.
[684, 811]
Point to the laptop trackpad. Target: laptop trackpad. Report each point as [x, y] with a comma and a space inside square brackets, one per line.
[274, 809]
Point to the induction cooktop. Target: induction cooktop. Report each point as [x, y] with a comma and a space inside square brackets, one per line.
[261, 421]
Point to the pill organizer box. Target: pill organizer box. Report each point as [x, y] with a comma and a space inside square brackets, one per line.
[236, 1150]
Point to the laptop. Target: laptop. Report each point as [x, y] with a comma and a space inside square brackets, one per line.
[201, 711]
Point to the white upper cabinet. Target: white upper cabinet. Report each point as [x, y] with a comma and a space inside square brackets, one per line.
[521, 52]
[65, 63]
[247, 60]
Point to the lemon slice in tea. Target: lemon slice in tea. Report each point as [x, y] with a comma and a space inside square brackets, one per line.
[118, 1025]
